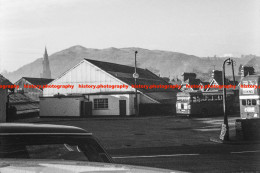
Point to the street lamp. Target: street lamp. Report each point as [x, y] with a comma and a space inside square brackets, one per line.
[225, 128]
[136, 76]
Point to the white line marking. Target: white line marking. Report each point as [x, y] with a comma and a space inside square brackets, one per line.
[240, 152]
[152, 156]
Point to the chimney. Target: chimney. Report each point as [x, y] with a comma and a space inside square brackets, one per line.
[247, 70]
[216, 74]
[190, 76]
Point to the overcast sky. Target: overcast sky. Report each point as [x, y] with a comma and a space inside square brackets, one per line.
[198, 27]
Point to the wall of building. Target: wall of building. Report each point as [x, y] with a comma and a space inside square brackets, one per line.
[113, 104]
[70, 106]
[3, 100]
[51, 106]
[84, 73]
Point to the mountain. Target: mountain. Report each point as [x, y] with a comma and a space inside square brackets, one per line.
[163, 63]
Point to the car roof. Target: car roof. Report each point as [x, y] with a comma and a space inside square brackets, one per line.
[31, 129]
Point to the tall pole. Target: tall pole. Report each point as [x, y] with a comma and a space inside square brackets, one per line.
[226, 134]
[136, 101]
[233, 73]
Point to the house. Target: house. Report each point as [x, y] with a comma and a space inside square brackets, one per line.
[204, 84]
[4, 97]
[217, 80]
[245, 71]
[191, 83]
[102, 88]
[26, 87]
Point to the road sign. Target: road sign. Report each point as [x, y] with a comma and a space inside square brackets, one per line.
[135, 75]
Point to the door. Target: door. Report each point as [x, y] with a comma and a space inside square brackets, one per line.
[86, 109]
[122, 107]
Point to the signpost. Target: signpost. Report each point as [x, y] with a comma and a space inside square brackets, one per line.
[136, 76]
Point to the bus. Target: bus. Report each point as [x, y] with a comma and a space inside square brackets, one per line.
[206, 103]
[249, 95]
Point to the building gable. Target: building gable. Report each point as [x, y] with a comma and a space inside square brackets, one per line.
[86, 74]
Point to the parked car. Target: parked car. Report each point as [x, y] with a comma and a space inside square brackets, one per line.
[52, 142]
[55, 148]
[48, 166]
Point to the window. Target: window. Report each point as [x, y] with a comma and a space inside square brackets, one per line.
[244, 102]
[52, 147]
[253, 102]
[100, 103]
[210, 98]
[194, 99]
[220, 97]
[55, 151]
[204, 98]
[181, 98]
[249, 102]
[215, 98]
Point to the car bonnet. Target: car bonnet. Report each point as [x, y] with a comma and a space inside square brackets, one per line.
[43, 166]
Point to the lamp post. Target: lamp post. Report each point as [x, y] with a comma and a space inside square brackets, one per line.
[225, 128]
[233, 73]
[136, 76]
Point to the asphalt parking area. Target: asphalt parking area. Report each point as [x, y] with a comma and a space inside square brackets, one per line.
[116, 133]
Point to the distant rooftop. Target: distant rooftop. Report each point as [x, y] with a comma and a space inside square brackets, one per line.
[4, 81]
[38, 81]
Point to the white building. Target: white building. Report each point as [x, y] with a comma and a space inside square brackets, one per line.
[105, 100]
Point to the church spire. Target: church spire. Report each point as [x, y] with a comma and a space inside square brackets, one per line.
[45, 53]
[46, 65]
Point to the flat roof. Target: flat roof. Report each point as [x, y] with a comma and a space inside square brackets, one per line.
[41, 129]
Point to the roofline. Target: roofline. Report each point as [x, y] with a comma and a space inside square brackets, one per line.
[30, 83]
[107, 93]
[37, 78]
[210, 84]
[9, 83]
[66, 72]
[121, 80]
[18, 80]
[107, 73]
[63, 96]
[150, 98]
[113, 63]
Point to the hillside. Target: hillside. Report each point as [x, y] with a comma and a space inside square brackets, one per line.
[165, 63]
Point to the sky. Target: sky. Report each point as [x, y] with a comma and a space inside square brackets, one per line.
[195, 27]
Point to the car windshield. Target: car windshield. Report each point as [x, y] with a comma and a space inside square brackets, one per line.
[77, 148]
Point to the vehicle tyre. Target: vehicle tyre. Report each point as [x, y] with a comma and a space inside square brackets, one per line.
[204, 112]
